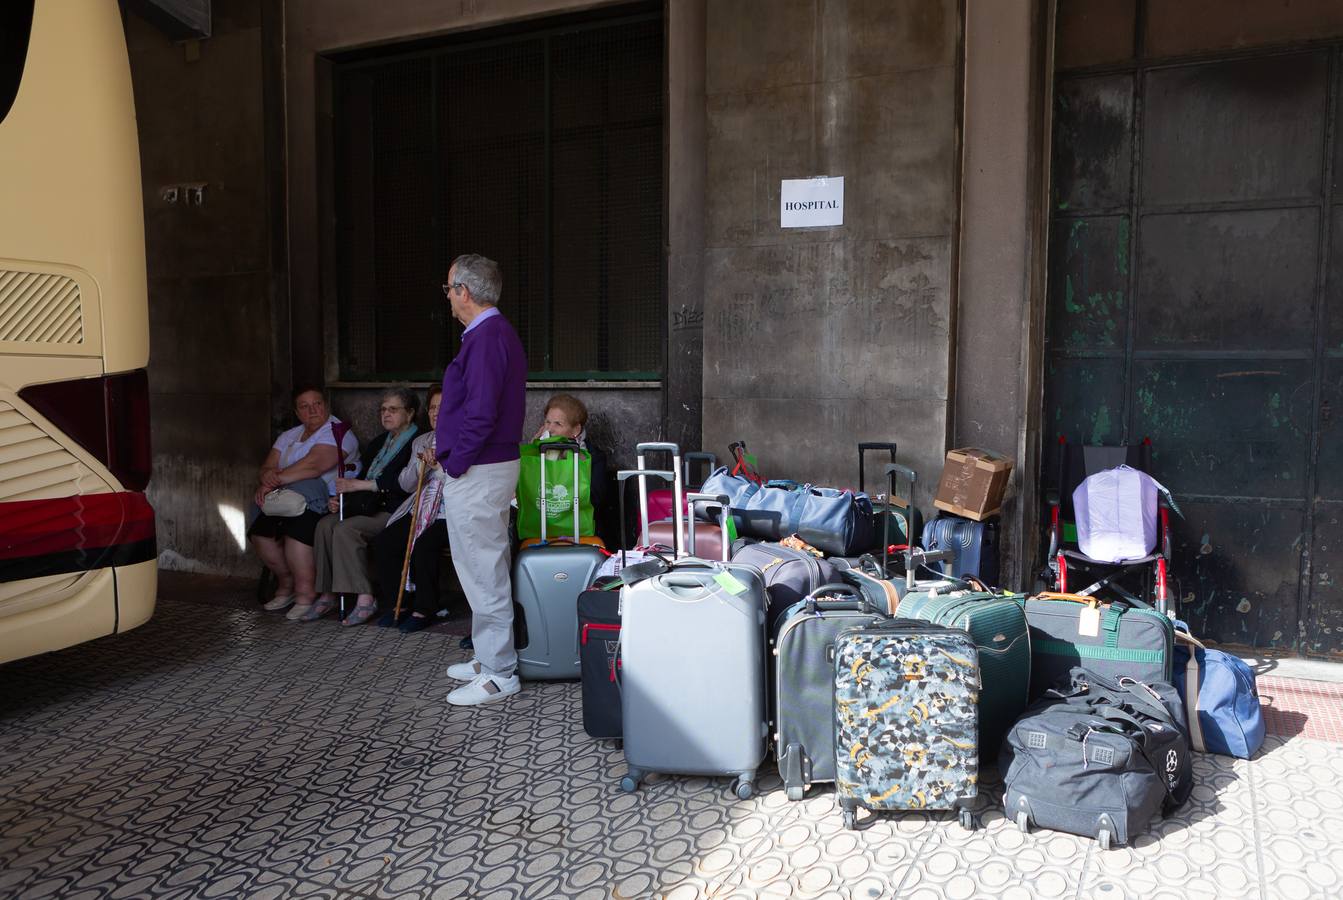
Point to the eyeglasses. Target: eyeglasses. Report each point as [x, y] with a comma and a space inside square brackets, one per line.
[387, 409]
[447, 288]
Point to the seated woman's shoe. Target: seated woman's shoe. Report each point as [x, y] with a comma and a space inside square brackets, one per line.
[389, 619]
[299, 611]
[279, 602]
[360, 614]
[466, 643]
[415, 623]
[319, 609]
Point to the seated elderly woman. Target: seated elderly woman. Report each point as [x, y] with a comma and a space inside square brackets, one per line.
[297, 476]
[421, 603]
[342, 541]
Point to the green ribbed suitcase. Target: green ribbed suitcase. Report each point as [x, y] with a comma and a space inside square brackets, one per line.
[997, 624]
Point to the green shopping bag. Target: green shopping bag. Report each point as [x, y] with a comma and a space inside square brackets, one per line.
[560, 489]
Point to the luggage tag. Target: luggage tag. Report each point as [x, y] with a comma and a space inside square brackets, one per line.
[730, 583]
[1089, 623]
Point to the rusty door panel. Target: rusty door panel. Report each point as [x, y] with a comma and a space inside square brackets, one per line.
[1093, 147]
[1333, 289]
[1236, 569]
[1322, 628]
[1225, 427]
[1088, 283]
[1329, 463]
[1084, 400]
[1242, 130]
[1240, 280]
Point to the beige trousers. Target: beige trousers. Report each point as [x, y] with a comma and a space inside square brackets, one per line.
[341, 549]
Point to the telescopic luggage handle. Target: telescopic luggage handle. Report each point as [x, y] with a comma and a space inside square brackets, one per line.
[640, 450]
[892, 469]
[642, 474]
[914, 557]
[863, 448]
[561, 446]
[722, 501]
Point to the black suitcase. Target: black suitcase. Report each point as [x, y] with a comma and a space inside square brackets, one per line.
[789, 574]
[803, 642]
[599, 660]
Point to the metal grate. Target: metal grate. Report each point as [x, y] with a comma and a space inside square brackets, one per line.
[542, 150]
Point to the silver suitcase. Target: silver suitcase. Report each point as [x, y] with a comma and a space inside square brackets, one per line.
[692, 674]
[547, 579]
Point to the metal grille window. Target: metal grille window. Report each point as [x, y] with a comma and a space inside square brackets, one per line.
[542, 150]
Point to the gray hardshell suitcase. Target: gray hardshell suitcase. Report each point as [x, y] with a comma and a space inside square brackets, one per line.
[692, 673]
[804, 646]
[547, 579]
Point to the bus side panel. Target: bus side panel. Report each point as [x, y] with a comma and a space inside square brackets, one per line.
[84, 611]
[137, 586]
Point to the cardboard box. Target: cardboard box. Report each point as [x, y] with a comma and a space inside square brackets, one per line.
[973, 483]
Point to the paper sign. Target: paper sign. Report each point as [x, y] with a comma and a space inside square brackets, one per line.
[728, 582]
[811, 202]
[1089, 625]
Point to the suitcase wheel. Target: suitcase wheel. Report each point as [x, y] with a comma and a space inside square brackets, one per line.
[1023, 822]
[743, 789]
[851, 819]
[629, 784]
[967, 819]
[1103, 838]
[795, 793]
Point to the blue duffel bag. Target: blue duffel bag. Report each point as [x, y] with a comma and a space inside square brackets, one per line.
[1220, 700]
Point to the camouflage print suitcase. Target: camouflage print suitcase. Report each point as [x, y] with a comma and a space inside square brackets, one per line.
[906, 725]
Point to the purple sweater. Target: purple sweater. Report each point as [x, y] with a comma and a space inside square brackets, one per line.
[484, 399]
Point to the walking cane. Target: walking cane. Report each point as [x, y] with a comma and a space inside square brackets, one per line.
[340, 511]
[410, 542]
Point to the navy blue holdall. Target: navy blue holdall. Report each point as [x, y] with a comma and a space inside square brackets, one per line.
[1220, 699]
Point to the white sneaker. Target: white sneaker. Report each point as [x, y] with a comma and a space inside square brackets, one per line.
[298, 611]
[485, 689]
[278, 603]
[466, 671]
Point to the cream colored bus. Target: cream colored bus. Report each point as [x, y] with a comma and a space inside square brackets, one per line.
[77, 549]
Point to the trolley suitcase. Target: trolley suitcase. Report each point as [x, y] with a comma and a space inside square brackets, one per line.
[896, 520]
[547, 579]
[1116, 639]
[598, 650]
[804, 640]
[789, 574]
[997, 624]
[905, 725]
[692, 673]
[974, 543]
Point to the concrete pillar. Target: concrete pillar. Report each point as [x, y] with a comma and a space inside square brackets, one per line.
[1000, 305]
[818, 338]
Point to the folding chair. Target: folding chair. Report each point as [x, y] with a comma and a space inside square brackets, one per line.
[1138, 581]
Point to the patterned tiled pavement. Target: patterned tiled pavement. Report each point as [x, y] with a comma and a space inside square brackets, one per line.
[220, 751]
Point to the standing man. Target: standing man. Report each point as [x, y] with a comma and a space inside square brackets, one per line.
[479, 427]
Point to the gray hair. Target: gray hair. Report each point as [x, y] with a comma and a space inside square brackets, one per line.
[406, 397]
[480, 275]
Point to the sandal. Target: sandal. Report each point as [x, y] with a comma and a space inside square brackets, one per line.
[360, 614]
[318, 610]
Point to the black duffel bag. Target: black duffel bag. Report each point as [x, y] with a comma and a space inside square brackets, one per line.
[1098, 758]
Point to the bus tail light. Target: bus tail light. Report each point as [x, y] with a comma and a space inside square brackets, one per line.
[107, 416]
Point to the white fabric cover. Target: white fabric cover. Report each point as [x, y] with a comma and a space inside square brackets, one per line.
[1117, 514]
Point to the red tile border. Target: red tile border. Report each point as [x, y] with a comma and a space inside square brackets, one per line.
[1294, 706]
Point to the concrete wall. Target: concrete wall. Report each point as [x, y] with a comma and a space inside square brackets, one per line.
[201, 118]
[819, 338]
[1000, 308]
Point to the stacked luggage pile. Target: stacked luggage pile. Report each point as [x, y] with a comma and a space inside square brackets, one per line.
[769, 616]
